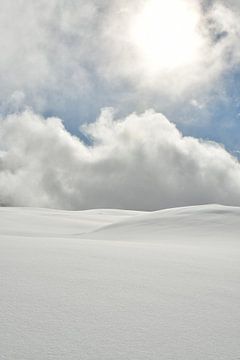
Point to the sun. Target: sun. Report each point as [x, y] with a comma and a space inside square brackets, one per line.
[166, 34]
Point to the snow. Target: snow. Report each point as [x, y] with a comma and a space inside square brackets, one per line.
[115, 284]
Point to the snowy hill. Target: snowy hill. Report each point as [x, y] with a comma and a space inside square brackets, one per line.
[47, 222]
[206, 222]
[114, 284]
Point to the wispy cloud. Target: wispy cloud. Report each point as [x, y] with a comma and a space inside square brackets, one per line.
[66, 55]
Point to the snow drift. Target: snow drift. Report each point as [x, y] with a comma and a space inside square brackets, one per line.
[206, 222]
[111, 284]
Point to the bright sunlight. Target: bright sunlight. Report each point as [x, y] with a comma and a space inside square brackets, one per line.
[166, 34]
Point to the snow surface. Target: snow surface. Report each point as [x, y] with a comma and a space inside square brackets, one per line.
[114, 284]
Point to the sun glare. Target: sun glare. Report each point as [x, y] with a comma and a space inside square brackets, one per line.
[166, 35]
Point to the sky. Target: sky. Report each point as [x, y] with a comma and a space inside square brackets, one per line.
[125, 104]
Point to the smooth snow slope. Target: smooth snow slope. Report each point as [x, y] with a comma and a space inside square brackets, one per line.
[205, 223]
[112, 284]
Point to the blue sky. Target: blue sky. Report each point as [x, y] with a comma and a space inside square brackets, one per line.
[217, 120]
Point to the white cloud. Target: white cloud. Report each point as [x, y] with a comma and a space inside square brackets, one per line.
[57, 53]
[139, 162]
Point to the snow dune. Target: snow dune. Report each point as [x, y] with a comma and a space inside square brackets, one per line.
[48, 222]
[114, 284]
[206, 222]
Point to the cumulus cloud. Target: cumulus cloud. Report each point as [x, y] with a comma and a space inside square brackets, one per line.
[63, 54]
[138, 162]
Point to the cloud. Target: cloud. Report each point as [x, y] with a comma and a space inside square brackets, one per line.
[138, 162]
[67, 57]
